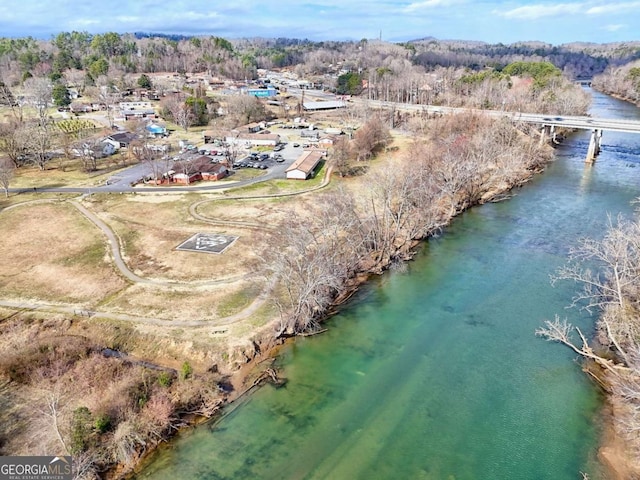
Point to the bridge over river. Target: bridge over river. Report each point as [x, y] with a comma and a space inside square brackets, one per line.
[548, 123]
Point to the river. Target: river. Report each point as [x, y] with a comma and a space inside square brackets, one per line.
[435, 373]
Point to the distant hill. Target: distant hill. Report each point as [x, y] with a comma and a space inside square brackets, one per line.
[170, 36]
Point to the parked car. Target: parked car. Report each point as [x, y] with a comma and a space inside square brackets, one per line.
[278, 147]
[296, 145]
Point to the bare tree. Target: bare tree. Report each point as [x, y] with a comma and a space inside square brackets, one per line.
[341, 156]
[109, 96]
[244, 109]
[89, 150]
[181, 112]
[39, 92]
[13, 142]
[561, 331]
[614, 288]
[7, 98]
[7, 170]
[39, 142]
[313, 263]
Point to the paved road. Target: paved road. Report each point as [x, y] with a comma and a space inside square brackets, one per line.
[568, 121]
[121, 182]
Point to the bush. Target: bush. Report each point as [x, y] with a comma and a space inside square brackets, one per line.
[186, 371]
[165, 379]
[80, 430]
[102, 423]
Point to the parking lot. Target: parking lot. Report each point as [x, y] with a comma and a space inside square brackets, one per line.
[274, 164]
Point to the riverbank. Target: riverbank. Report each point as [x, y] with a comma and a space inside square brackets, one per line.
[485, 192]
[466, 185]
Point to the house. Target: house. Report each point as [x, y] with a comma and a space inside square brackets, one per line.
[133, 114]
[156, 130]
[121, 139]
[78, 107]
[304, 166]
[186, 178]
[261, 92]
[99, 150]
[131, 110]
[327, 141]
[208, 136]
[252, 127]
[194, 170]
[214, 172]
[310, 134]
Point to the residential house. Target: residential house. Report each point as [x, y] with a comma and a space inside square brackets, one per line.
[214, 172]
[121, 139]
[155, 130]
[327, 141]
[132, 110]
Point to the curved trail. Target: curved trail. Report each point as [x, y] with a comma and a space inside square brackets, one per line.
[122, 266]
[193, 208]
[131, 276]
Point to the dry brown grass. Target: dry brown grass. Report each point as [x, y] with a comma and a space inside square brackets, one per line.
[267, 212]
[72, 175]
[51, 252]
[150, 234]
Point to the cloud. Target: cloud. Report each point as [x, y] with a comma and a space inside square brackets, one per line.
[614, 8]
[429, 4]
[614, 28]
[533, 12]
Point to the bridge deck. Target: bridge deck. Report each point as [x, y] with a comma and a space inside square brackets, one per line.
[584, 123]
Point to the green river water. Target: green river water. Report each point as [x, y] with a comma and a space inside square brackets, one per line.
[435, 373]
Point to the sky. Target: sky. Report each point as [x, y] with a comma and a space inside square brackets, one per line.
[392, 20]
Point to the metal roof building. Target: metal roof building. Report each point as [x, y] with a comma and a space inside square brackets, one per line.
[328, 105]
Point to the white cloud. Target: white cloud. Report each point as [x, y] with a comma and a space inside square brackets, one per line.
[533, 12]
[429, 4]
[127, 19]
[614, 28]
[85, 22]
[613, 8]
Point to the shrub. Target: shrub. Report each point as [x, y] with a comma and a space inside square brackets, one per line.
[186, 371]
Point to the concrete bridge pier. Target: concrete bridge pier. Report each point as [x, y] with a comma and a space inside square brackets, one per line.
[545, 133]
[594, 145]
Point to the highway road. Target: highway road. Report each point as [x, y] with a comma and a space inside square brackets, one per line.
[579, 122]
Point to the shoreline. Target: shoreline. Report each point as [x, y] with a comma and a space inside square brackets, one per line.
[610, 450]
[269, 347]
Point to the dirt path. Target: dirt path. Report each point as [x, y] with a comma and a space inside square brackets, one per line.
[131, 276]
[124, 269]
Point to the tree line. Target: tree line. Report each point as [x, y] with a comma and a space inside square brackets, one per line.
[622, 81]
[460, 161]
[607, 273]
